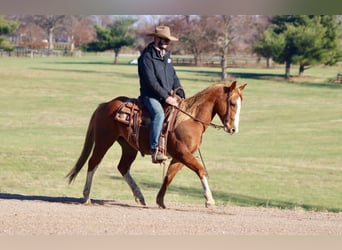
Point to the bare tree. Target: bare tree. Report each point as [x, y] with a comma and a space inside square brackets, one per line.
[49, 23]
[84, 31]
[224, 33]
[144, 25]
[196, 37]
[77, 30]
[228, 34]
[194, 34]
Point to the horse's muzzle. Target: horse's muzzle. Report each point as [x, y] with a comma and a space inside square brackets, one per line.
[230, 130]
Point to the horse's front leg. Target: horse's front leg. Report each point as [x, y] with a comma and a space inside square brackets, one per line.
[207, 192]
[191, 162]
[174, 167]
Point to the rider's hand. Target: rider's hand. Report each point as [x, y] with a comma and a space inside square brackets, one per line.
[172, 101]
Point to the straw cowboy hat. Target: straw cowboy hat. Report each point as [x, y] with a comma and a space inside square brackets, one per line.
[163, 32]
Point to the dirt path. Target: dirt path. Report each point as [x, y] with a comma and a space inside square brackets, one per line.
[66, 216]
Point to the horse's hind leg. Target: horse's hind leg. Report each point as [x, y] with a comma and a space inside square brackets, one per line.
[99, 151]
[127, 157]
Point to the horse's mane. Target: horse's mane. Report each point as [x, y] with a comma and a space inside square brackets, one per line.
[190, 105]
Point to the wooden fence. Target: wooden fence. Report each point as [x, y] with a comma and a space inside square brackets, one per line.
[215, 61]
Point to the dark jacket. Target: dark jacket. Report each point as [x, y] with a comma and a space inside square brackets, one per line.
[157, 75]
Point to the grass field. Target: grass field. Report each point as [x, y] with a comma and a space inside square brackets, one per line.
[288, 152]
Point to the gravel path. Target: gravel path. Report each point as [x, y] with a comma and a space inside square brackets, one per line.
[66, 216]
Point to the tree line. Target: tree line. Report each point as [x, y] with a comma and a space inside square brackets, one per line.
[304, 40]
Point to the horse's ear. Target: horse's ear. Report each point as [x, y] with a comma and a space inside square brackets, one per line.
[232, 85]
[242, 86]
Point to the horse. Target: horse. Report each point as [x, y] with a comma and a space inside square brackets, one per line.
[195, 116]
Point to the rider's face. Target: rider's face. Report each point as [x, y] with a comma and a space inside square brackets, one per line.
[162, 43]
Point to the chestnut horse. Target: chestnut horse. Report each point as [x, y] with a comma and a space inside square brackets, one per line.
[196, 115]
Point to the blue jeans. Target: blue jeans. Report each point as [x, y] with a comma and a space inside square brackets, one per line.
[157, 119]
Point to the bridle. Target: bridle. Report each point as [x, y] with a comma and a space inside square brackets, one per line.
[226, 120]
[200, 121]
[216, 126]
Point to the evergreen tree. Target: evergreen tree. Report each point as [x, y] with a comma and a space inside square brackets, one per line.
[301, 39]
[113, 37]
[6, 27]
[269, 46]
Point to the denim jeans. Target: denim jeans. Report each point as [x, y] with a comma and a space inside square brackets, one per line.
[157, 119]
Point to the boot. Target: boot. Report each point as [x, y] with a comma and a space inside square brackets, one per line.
[158, 157]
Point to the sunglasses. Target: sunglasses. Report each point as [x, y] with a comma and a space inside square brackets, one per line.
[165, 40]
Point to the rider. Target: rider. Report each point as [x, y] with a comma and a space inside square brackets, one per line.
[157, 81]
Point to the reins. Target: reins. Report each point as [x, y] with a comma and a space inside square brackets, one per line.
[200, 121]
[191, 116]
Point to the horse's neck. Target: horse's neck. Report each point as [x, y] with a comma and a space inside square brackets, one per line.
[201, 107]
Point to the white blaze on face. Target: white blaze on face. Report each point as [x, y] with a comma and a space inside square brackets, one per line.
[237, 115]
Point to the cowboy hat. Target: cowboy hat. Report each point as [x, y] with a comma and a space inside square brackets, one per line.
[163, 32]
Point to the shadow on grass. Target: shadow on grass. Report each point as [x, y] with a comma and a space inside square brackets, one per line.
[292, 81]
[83, 63]
[219, 196]
[239, 200]
[93, 63]
[256, 76]
[87, 71]
[71, 200]
[67, 70]
[244, 200]
[66, 200]
[247, 75]
[264, 76]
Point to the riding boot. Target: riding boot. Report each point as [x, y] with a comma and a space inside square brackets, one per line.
[158, 157]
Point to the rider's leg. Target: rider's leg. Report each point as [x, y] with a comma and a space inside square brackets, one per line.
[157, 118]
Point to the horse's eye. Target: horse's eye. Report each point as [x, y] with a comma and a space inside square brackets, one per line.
[232, 105]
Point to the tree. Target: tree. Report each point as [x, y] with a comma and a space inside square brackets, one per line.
[225, 35]
[195, 37]
[269, 46]
[83, 32]
[115, 36]
[301, 39]
[224, 32]
[49, 23]
[307, 44]
[332, 38]
[6, 27]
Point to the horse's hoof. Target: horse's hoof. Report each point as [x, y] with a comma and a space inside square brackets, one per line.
[161, 204]
[87, 202]
[140, 202]
[210, 204]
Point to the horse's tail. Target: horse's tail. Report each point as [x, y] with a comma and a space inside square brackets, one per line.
[87, 147]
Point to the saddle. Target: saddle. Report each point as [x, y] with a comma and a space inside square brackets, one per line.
[133, 113]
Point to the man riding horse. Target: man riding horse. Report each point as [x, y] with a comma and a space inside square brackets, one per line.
[158, 79]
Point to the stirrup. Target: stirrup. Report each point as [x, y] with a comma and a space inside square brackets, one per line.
[158, 157]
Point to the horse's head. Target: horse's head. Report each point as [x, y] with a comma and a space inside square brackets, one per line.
[230, 107]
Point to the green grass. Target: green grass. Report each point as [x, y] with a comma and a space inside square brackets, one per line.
[287, 153]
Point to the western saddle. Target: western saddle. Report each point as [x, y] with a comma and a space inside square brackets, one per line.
[134, 114]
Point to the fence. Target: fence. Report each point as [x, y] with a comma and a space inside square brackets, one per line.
[26, 52]
[215, 61]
